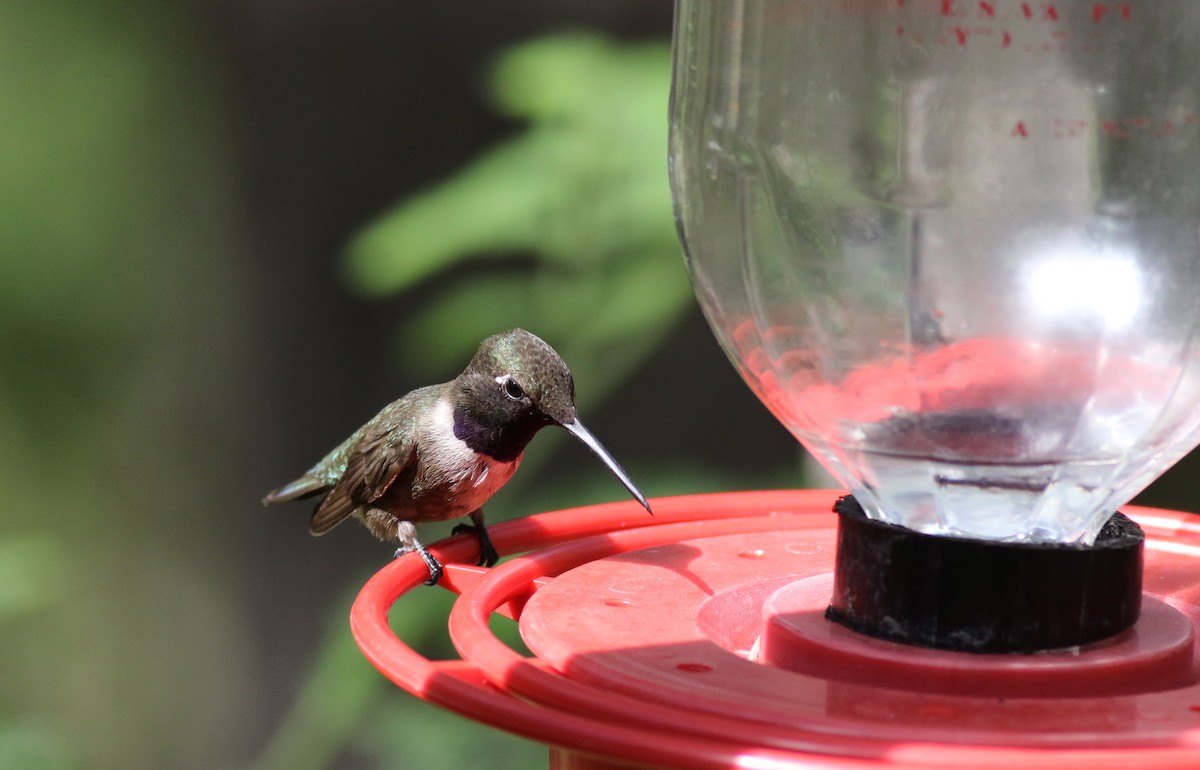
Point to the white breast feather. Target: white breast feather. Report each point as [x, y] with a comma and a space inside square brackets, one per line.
[478, 476]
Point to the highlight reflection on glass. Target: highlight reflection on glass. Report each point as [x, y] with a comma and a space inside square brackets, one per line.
[1072, 281]
[954, 247]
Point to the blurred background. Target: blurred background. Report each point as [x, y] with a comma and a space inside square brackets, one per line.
[229, 233]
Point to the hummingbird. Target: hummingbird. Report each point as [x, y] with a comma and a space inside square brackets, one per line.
[440, 452]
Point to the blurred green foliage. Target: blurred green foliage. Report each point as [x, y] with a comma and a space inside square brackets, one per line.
[566, 228]
[108, 323]
[31, 570]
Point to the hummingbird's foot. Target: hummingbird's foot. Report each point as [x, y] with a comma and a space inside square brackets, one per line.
[488, 556]
[434, 566]
[406, 533]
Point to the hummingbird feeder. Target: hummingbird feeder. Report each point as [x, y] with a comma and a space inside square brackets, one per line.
[954, 247]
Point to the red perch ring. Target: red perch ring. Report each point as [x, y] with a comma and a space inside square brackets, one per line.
[696, 639]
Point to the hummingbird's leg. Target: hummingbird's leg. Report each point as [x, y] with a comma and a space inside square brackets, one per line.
[406, 531]
[487, 552]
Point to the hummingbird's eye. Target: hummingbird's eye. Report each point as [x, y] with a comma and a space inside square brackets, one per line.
[512, 389]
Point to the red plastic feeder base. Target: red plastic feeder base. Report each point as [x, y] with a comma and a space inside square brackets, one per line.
[697, 639]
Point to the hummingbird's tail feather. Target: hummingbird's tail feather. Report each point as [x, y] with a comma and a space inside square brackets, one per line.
[332, 510]
[303, 487]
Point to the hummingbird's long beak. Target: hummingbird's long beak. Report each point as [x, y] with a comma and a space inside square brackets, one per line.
[577, 430]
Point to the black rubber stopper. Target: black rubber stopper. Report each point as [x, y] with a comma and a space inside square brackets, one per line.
[958, 593]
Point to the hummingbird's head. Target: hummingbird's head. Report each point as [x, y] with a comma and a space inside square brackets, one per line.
[521, 379]
[514, 386]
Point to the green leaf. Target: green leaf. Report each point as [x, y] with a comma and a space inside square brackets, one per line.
[30, 575]
[28, 745]
[491, 208]
[582, 188]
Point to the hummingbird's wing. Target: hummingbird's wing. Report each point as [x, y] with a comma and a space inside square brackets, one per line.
[384, 450]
